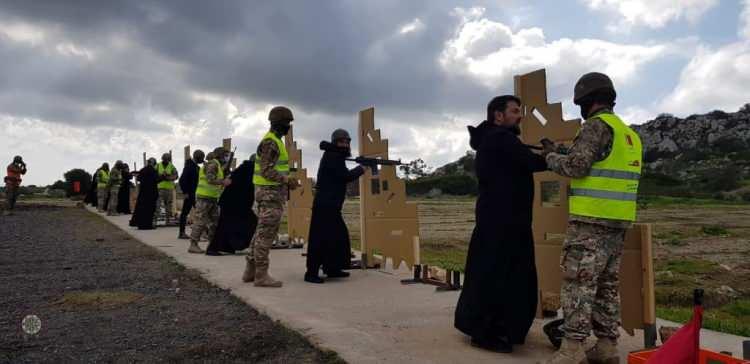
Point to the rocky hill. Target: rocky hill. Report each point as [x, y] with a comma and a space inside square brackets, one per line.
[698, 155]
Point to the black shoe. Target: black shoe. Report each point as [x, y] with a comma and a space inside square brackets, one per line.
[213, 253]
[313, 279]
[495, 345]
[337, 274]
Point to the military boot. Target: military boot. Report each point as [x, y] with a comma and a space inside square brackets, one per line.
[604, 352]
[194, 248]
[571, 352]
[249, 274]
[263, 279]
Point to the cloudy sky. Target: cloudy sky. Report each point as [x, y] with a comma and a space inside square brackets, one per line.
[82, 82]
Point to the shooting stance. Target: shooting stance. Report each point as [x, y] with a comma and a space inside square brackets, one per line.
[329, 246]
[499, 298]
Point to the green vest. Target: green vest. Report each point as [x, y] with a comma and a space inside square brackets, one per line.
[165, 171]
[610, 190]
[103, 178]
[281, 166]
[205, 189]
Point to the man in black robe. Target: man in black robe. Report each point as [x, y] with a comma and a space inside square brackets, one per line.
[499, 298]
[91, 195]
[145, 205]
[328, 242]
[123, 196]
[188, 184]
[237, 221]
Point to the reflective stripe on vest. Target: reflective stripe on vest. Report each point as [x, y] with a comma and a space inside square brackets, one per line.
[205, 189]
[610, 190]
[281, 166]
[162, 171]
[103, 178]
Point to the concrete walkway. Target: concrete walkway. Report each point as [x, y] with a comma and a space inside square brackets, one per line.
[369, 317]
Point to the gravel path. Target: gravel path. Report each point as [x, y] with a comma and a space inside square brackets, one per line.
[104, 297]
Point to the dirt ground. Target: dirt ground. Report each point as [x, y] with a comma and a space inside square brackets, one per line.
[103, 297]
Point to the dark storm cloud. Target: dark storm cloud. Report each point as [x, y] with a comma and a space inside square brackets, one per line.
[323, 56]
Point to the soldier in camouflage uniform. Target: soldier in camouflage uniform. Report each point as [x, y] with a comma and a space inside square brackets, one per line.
[167, 174]
[206, 215]
[115, 180]
[599, 218]
[271, 179]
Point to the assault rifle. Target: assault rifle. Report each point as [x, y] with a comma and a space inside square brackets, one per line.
[561, 149]
[373, 163]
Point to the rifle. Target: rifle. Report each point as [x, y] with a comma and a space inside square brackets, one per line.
[374, 162]
[560, 149]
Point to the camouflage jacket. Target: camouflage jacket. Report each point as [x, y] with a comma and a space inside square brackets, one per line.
[115, 178]
[592, 144]
[267, 156]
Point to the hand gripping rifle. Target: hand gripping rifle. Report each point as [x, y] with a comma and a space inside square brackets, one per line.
[373, 163]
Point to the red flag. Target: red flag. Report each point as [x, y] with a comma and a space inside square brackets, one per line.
[684, 346]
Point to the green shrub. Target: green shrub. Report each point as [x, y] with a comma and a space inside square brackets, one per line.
[714, 230]
[451, 185]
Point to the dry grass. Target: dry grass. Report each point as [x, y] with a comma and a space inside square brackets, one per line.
[97, 299]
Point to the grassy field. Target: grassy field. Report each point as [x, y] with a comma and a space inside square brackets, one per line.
[697, 243]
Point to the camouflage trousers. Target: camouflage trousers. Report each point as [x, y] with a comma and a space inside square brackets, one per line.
[205, 218]
[270, 202]
[590, 263]
[113, 199]
[102, 194]
[166, 200]
[11, 195]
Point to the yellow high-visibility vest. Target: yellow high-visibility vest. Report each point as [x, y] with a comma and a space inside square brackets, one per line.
[161, 171]
[610, 191]
[103, 178]
[281, 166]
[205, 189]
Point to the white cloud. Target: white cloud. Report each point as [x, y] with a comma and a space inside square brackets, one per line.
[651, 13]
[713, 79]
[636, 115]
[22, 32]
[413, 26]
[492, 53]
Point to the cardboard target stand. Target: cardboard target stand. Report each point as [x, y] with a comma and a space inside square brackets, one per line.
[541, 120]
[389, 224]
[299, 206]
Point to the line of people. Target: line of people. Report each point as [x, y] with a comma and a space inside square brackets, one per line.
[499, 298]
[223, 201]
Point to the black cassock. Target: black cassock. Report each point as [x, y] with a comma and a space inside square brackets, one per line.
[237, 221]
[328, 241]
[123, 196]
[499, 297]
[145, 205]
[91, 194]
